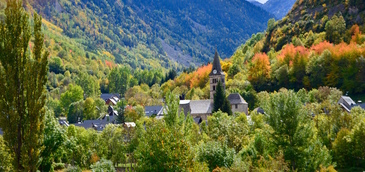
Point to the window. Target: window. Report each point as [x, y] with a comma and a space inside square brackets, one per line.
[236, 106]
[213, 88]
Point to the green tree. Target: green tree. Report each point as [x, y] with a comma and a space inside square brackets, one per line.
[342, 149]
[172, 107]
[55, 65]
[112, 142]
[121, 112]
[73, 94]
[5, 156]
[90, 111]
[23, 76]
[228, 129]
[294, 131]
[220, 100]
[358, 137]
[162, 148]
[215, 154]
[119, 79]
[89, 84]
[75, 112]
[270, 25]
[335, 29]
[54, 136]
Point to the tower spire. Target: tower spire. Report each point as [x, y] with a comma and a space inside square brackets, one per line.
[216, 69]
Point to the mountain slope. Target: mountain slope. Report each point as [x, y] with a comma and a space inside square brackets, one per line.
[279, 7]
[312, 16]
[166, 32]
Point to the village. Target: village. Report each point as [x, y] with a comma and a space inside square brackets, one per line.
[199, 110]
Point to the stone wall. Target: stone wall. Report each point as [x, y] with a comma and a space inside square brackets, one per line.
[240, 108]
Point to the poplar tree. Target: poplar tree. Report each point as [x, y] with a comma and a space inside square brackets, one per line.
[23, 75]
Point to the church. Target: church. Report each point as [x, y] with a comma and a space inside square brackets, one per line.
[201, 109]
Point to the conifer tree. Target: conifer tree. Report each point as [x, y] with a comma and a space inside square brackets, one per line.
[121, 113]
[220, 100]
[23, 75]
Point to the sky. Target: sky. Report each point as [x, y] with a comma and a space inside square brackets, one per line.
[262, 1]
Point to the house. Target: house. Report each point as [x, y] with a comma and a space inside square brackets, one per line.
[238, 103]
[111, 111]
[111, 99]
[347, 103]
[197, 108]
[1, 132]
[98, 124]
[153, 110]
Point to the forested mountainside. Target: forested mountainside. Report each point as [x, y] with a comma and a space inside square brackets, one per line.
[326, 49]
[156, 33]
[313, 16]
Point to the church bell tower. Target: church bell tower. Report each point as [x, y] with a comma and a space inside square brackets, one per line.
[216, 75]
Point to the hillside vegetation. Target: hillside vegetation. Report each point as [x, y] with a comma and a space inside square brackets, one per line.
[291, 55]
[307, 16]
[155, 33]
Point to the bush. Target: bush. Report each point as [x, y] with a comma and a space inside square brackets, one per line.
[103, 165]
[215, 154]
[73, 169]
[58, 166]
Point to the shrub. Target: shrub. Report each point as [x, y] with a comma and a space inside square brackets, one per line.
[73, 169]
[103, 165]
[58, 166]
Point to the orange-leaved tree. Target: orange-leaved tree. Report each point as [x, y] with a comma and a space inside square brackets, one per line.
[259, 71]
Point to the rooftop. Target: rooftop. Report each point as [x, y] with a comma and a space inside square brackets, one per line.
[108, 96]
[236, 98]
[216, 65]
[153, 110]
[201, 106]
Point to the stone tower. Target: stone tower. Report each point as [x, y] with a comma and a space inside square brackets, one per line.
[216, 75]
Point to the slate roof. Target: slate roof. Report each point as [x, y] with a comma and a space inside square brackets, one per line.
[260, 110]
[236, 98]
[63, 123]
[105, 97]
[201, 106]
[362, 106]
[99, 124]
[347, 101]
[216, 65]
[150, 110]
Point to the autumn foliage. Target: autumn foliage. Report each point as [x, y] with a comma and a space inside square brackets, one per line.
[198, 78]
[259, 72]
